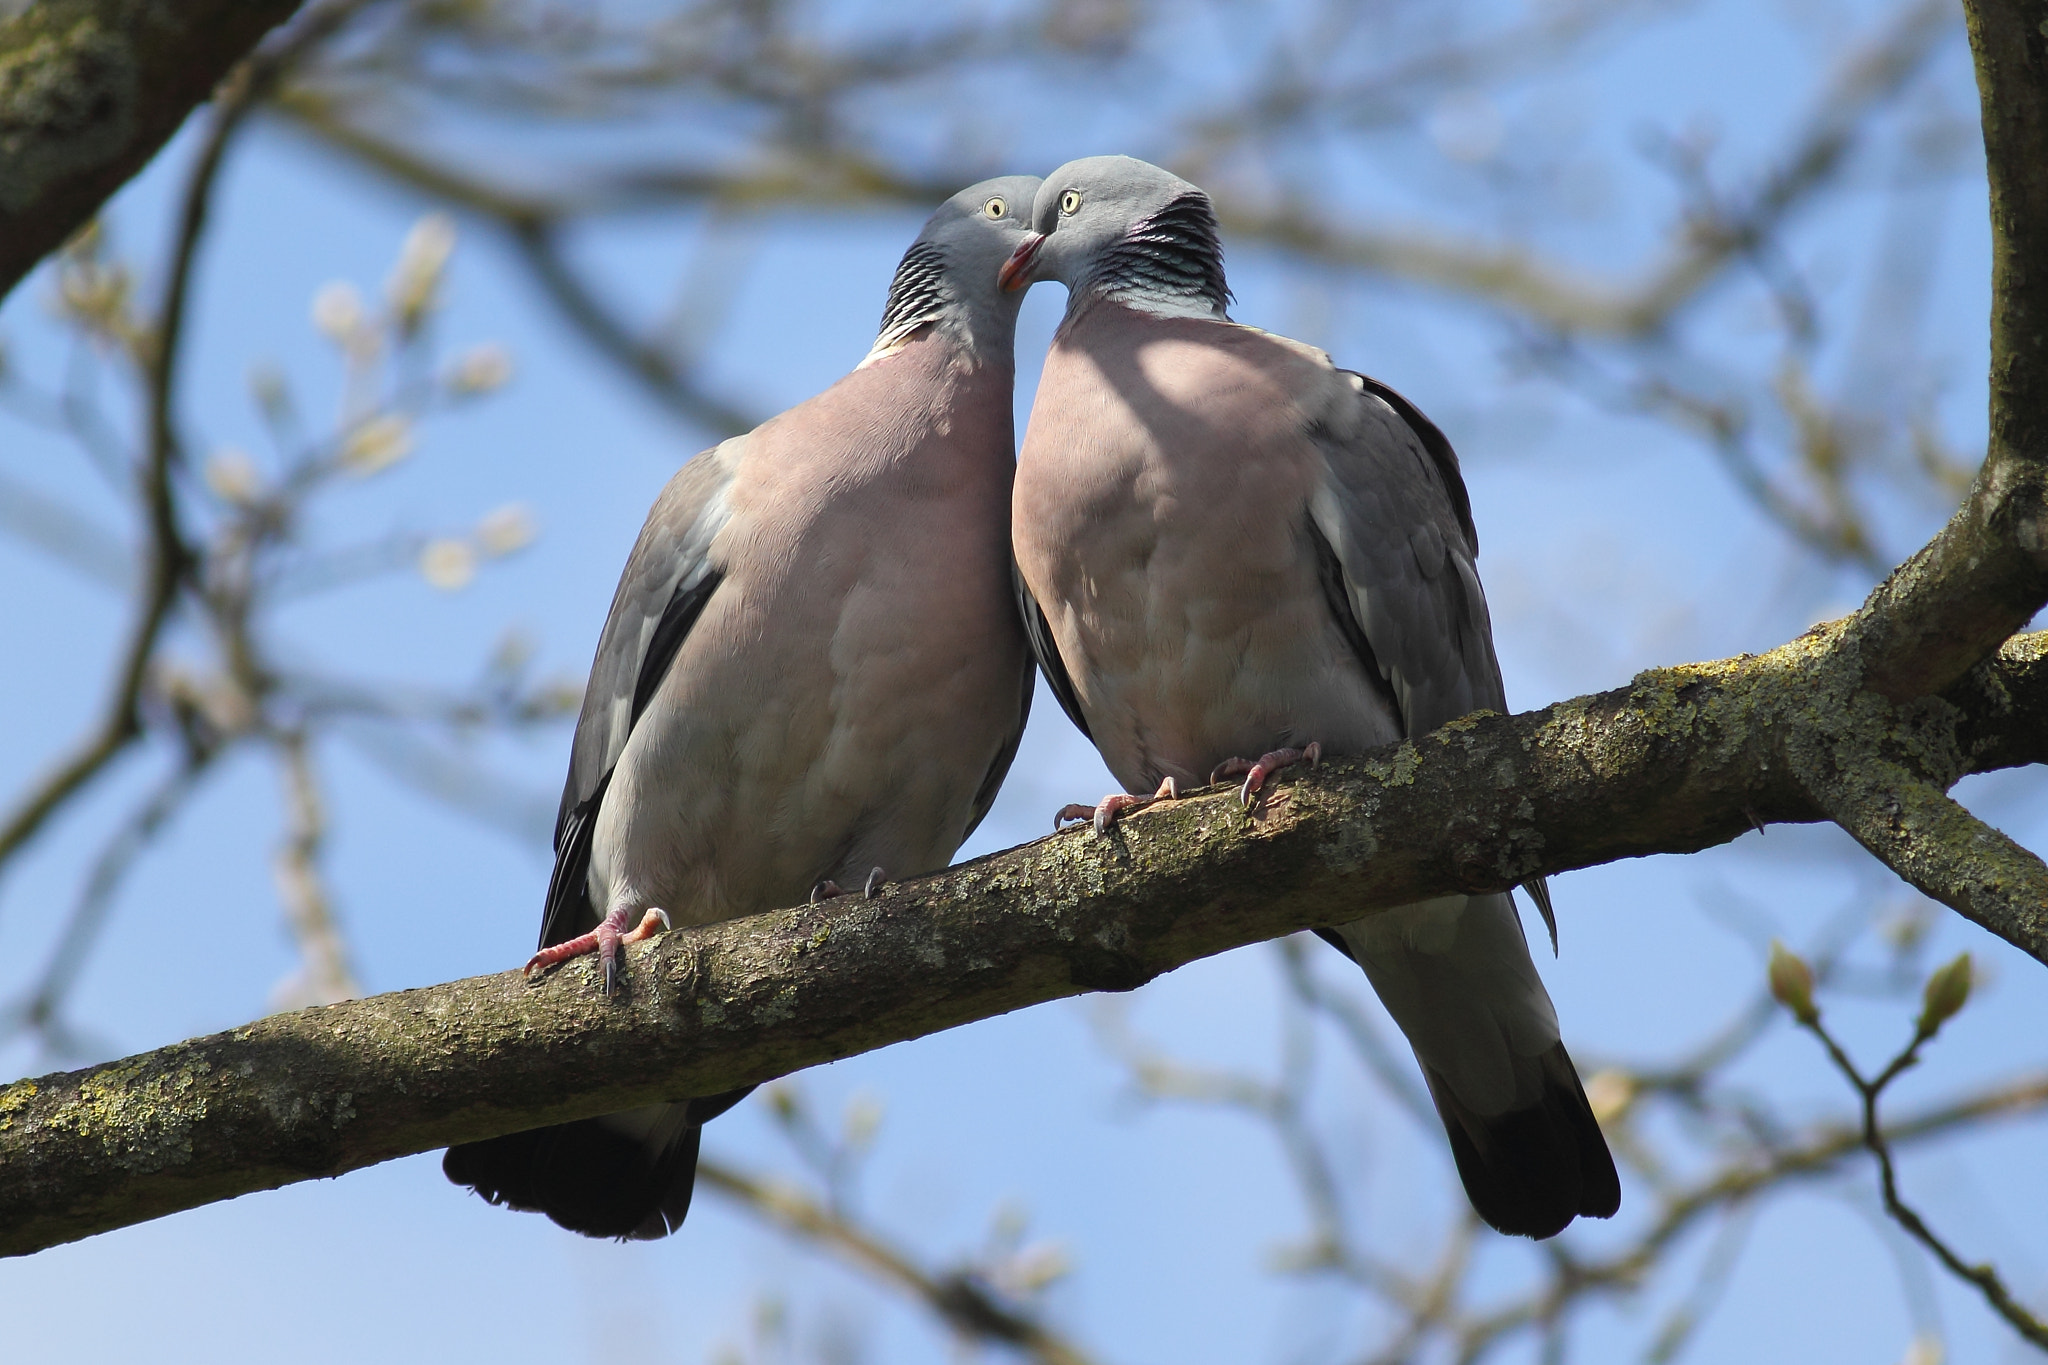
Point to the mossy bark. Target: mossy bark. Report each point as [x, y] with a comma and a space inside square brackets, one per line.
[89, 90]
[1986, 574]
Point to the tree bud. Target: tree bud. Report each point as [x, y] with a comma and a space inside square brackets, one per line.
[1947, 991]
[1792, 983]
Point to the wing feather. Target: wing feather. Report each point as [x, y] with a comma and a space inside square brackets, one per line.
[668, 580]
[1393, 525]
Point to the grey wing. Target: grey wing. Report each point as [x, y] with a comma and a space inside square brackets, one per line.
[1392, 523]
[1393, 514]
[668, 579]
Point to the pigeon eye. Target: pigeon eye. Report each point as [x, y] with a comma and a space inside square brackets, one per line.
[1070, 201]
[996, 207]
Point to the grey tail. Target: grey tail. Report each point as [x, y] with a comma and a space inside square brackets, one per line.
[1529, 1172]
[627, 1175]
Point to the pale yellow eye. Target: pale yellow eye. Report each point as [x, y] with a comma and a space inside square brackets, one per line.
[996, 207]
[1070, 201]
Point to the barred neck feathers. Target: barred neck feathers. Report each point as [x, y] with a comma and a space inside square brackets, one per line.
[918, 295]
[921, 296]
[1169, 263]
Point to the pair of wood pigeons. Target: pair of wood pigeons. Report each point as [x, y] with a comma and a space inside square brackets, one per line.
[1226, 554]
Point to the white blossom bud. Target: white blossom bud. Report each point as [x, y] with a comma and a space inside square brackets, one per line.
[377, 444]
[505, 530]
[416, 279]
[479, 370]
[448, 564]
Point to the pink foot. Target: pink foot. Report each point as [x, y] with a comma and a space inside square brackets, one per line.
[1268, 764]
[604, 941]
[1105, 811]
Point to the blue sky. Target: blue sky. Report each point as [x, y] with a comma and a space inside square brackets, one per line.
[1609, 545]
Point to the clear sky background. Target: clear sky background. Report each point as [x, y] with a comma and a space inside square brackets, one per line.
[1610, 545]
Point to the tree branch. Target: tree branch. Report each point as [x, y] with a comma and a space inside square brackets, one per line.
[1868, 1091]
[1986, 574]
[1948, 854]
[1678, 761]
[89, 90]
[1822, 1154]
[669, 383]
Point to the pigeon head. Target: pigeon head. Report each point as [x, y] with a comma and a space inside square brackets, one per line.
[1119, 228]
[947, 280]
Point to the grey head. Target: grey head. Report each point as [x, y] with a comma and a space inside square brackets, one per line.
[947, 280]
[1114, 227]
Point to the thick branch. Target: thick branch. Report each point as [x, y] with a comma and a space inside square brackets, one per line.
[1986, 574]
[1918, 831]
[1680, 760]
[89, 90]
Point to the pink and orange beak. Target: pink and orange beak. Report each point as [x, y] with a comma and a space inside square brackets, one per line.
[1016, 272]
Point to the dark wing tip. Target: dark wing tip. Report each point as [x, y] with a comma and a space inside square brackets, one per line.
[1538, 891]
[1530, 1172]
[1335, 940]
[590, 1177]
[1038, 633]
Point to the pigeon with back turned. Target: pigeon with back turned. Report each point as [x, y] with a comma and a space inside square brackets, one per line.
[1234, 557]
[812, 676]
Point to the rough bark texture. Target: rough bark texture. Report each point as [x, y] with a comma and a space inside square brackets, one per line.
[1682, 759]
[1986, 574]
[89, 90]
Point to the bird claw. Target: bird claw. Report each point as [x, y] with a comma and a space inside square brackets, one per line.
[1103, 814]
[1072, 811]
[1256, 773]
[828, 889]
[1229, 768]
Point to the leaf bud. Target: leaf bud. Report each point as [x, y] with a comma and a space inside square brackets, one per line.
[1792, 983]
[1948, 990]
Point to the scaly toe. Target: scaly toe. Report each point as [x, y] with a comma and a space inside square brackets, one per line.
[653, 922]
[1115, 804]
[1072, 812]
[1268, 764]
[1228, 768]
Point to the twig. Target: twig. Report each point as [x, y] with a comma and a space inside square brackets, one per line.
[1984, 1277]
[168, 558]
[959, 1302]
[656, 370]
[1393, 1073]
[326, 976]
[40, 1010]
[1738, 1183]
